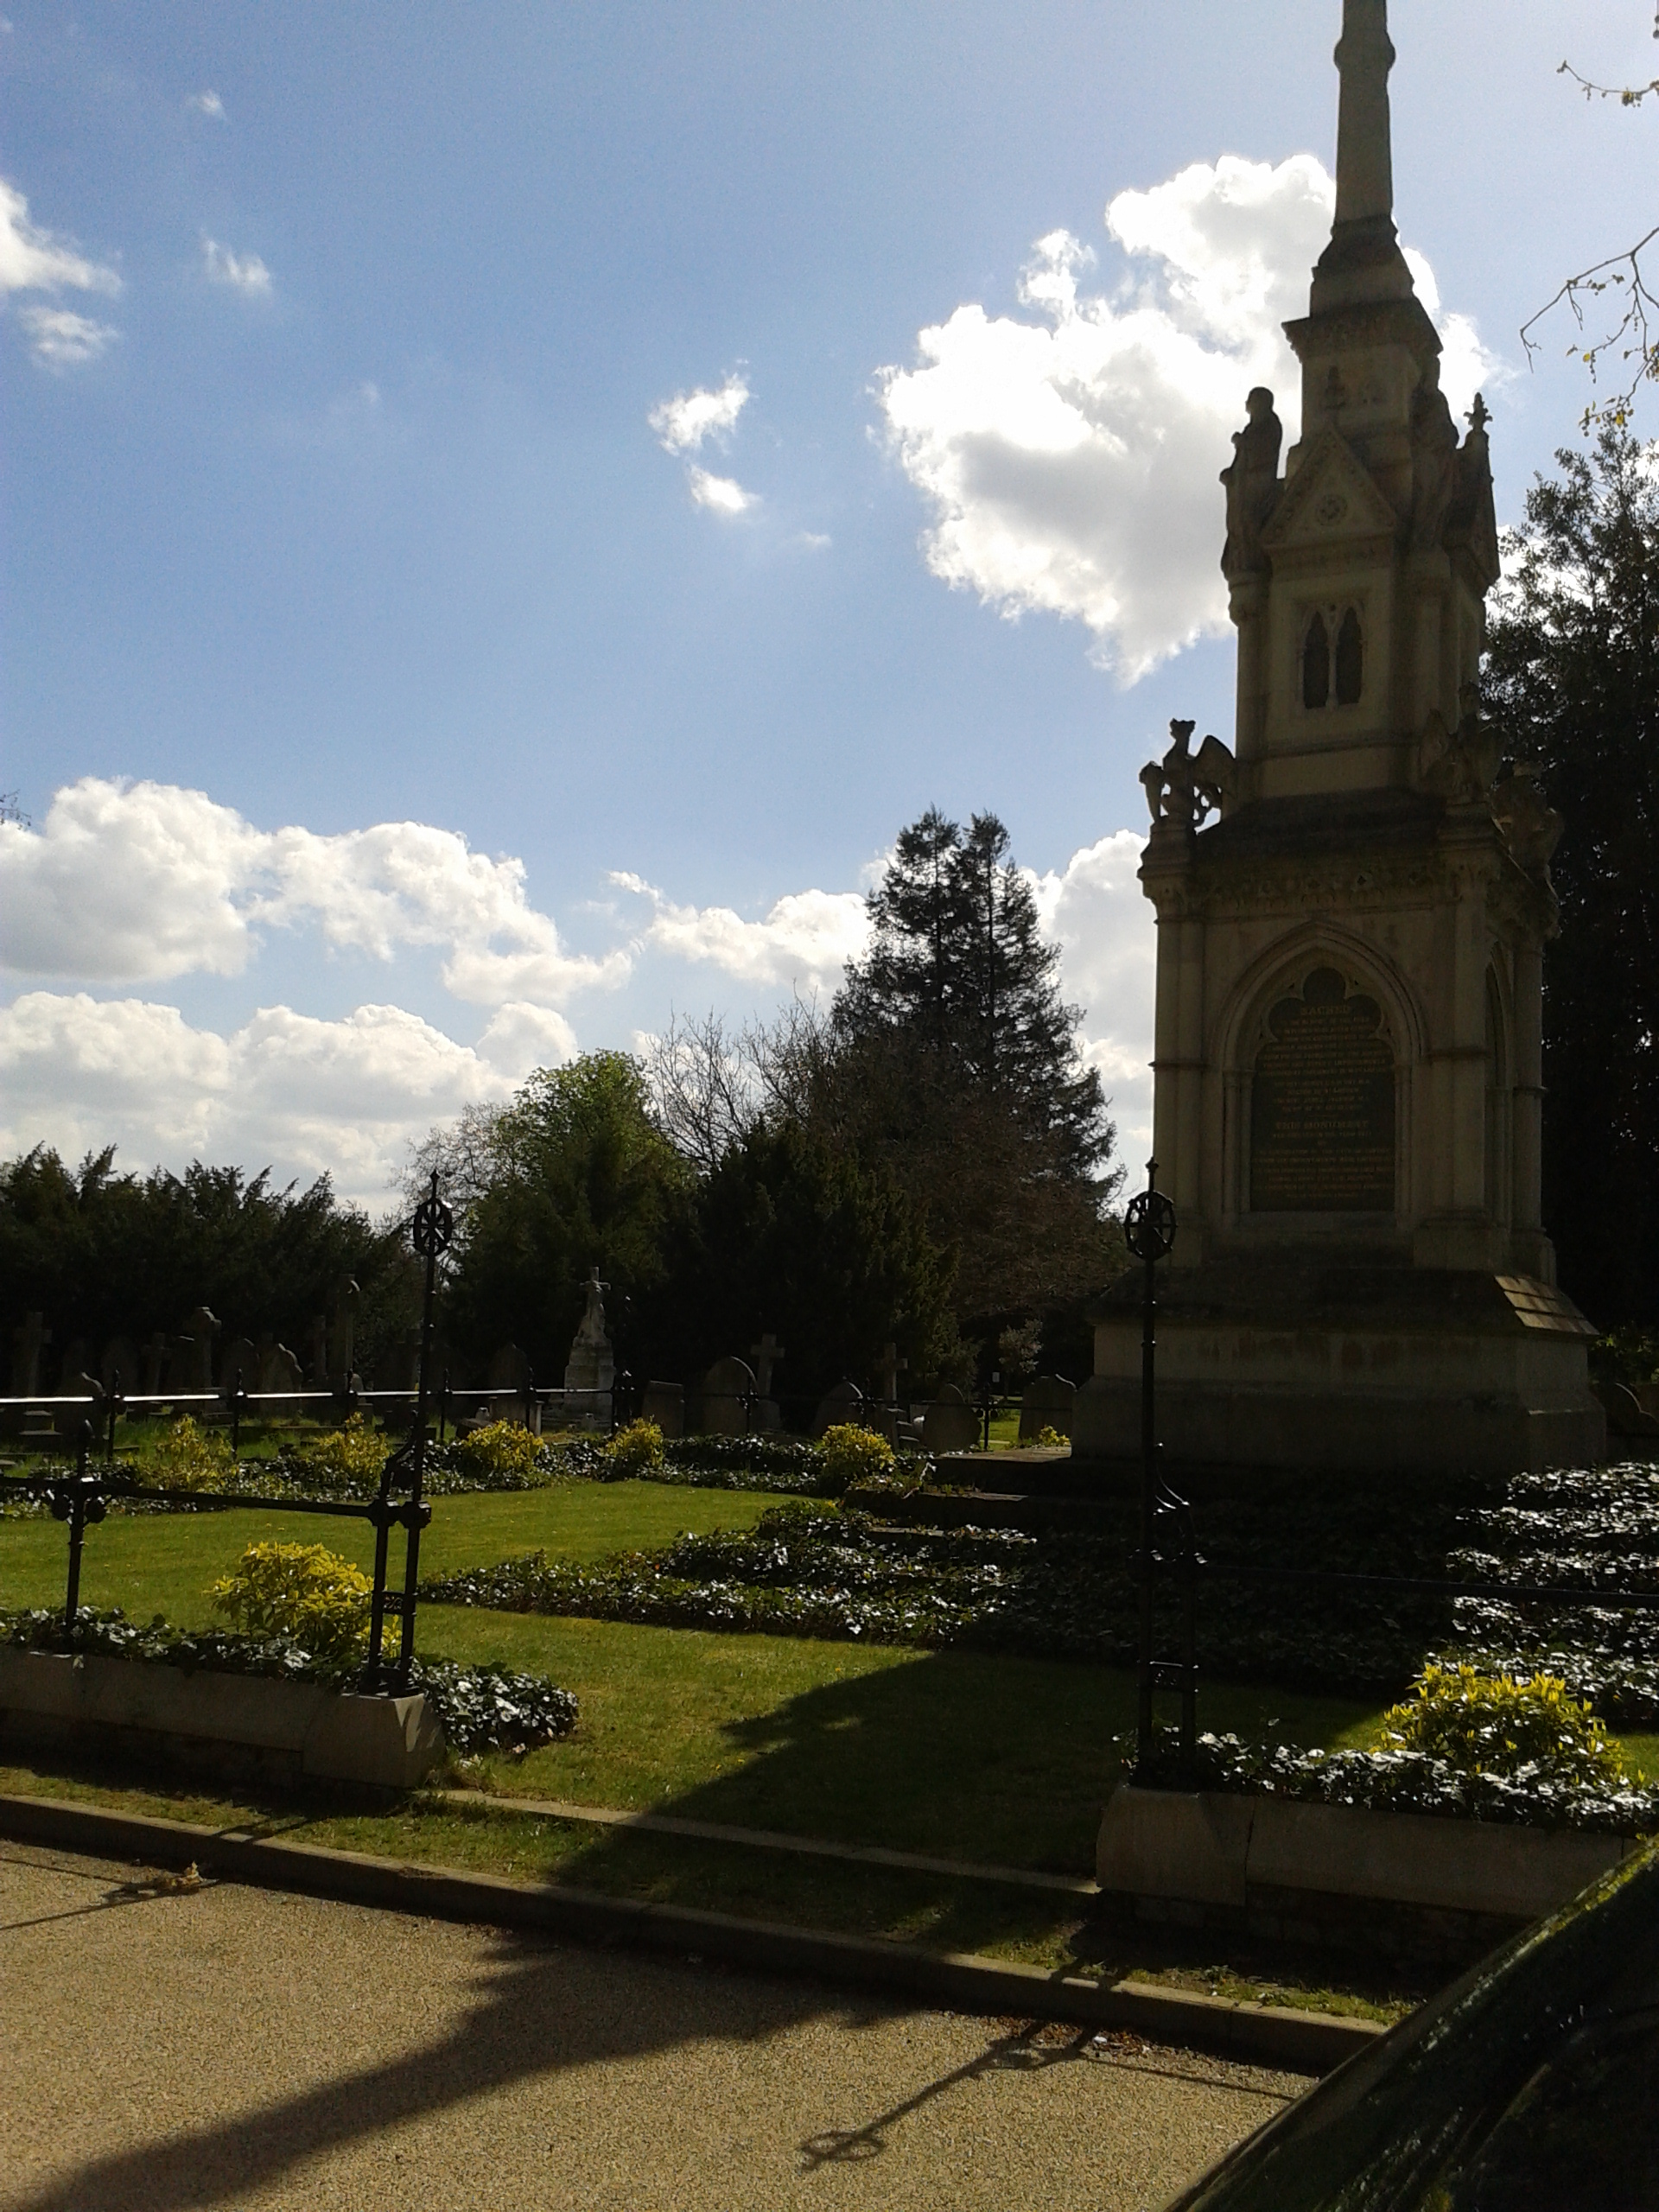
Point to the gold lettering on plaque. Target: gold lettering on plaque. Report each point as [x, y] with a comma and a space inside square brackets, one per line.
[1322, 1104]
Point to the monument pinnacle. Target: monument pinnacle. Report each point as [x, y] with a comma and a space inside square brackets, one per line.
[1364, 56]
[1363, 261]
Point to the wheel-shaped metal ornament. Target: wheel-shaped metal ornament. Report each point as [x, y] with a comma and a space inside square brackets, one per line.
[435, 1225]
[1149, 1225]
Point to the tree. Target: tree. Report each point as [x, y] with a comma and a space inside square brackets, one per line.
[952, 1060]
[574, 1174]
[790, 1233]
[1572, 681]
[100, 1254]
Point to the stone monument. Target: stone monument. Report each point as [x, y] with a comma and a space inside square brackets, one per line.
[1347, 1060]
[591, 1367]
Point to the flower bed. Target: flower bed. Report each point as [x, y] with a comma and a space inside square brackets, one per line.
[1067, 1595]
[481, 1708]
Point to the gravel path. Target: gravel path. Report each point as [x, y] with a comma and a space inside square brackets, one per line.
[239, 2048]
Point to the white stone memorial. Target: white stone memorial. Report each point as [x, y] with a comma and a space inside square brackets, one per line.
[1350, 956]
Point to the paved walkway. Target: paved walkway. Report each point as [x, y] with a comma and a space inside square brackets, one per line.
[230, 2050]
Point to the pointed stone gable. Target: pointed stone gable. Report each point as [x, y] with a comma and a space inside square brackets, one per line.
[1333, 499]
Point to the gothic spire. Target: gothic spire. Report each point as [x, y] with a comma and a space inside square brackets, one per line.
[1362, 261]
[1364, 56]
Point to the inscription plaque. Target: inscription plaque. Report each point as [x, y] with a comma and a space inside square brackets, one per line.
[1322, 1104]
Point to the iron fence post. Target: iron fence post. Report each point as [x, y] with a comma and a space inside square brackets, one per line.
[1149, 1232]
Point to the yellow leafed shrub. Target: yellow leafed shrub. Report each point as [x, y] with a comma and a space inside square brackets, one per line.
[852, 1454]
[304, 1591]
[1503, 1724]
[636, 1450]
[502, 1448]
[186, 1457]
[356, 1453]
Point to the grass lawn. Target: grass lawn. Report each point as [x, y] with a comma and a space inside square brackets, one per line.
[150, 1563]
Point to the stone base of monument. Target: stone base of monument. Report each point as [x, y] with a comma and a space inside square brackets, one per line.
[1305, 1364]
[240, 1723]
[1337, 1872]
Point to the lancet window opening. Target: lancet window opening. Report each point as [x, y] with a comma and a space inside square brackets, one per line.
[1333, 658]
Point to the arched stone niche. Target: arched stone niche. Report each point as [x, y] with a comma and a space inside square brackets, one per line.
[1323, 1103]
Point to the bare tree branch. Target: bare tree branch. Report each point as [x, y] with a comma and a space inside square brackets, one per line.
[1631, 336]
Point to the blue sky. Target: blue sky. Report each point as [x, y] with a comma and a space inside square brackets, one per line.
[336, 498]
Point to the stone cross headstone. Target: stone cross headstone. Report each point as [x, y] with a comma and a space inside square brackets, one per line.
[842, 1404]
[28, 1340]
[152, 1363]
[950, 1424]
[120, 1358]
[888, 1369]
[765, 1356]
[316, 1353]
[726, 1389]
[665, 1403]
[192, 1365]
[591, 1368]
[342, 1335]
[1049, 1402]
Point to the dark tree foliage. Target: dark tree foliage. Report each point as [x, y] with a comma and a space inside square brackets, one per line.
[574, 1174]
[1572, 680]
[791, 1234]
[99, 1254]
[954, 1065]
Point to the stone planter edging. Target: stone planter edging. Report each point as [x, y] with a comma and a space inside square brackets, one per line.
[335, 1736]
[1207, 1847]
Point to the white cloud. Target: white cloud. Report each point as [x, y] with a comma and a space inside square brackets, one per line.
[1071, 463]
[309, 1096]
[33, 260]
[133, 883]
[806, 938]
[681, 423]
[60, 339]
[207, 103]
[720, 494]
[242, 272]
[521, 1037]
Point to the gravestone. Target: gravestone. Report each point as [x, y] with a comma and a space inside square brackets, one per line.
[90, 1395]
[29, 1341]
[120, 1359]
[765, 1355]
[191, 1368]
[240, 1359]
[316, 1353]
[591, 1368]
[1049, 1402]
[279, 1371]
[1322, 1104]
[843, 1403]
[152, 1363]
[665, 1403]
[509, 1370]
[342, 1336]
[950, 1424]
[726, 1389]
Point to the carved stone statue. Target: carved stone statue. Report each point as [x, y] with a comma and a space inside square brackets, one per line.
[1458, 764]
[1181, 789]
[1531, 827]
[1252, 482]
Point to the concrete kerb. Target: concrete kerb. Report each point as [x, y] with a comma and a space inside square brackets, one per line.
[1264, 2035]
